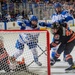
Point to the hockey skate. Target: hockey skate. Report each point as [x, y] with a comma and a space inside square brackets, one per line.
[58, 60]
[52, 62]
[38, 63]
[70, 69]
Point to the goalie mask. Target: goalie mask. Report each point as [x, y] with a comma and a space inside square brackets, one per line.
[55, 27]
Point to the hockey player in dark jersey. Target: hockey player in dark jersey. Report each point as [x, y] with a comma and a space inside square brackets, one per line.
[66, 39]
[60, 15]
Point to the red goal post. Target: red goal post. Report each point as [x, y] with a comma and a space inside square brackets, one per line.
[43, 48]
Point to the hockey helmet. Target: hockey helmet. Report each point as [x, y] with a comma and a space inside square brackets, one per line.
[56, 5]
[34, 18]
[55, 25]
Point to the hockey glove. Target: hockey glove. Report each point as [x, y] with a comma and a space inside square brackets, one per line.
[42, 24]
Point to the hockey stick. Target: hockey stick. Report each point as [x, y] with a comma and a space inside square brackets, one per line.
[38, 57]
[41, 49]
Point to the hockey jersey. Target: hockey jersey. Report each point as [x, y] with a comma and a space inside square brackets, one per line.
[26, 25]
[60, 37]
[63, 16]
[31, 39]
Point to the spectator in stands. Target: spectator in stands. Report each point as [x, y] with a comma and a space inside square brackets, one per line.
[37, 1]
[13, 18]
[29, 6]
[4, 19]
[17, 14]
[13, 1]
[47, 1]
[24, 2]
[11, 6]
[72, 12]
[0, 17]
[4, 6]
[23, 13]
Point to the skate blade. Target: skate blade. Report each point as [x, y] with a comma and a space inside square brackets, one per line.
[70, 71]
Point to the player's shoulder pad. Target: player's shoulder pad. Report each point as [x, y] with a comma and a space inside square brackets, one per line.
[26, 21]
[64, 12]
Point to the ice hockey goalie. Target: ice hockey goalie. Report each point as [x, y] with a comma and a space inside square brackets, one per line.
[7, 63]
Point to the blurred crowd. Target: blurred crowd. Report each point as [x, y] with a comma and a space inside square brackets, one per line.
[11, 10]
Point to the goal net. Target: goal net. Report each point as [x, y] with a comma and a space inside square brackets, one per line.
[34, 58]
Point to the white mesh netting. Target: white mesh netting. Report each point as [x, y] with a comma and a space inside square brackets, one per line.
[28, 63]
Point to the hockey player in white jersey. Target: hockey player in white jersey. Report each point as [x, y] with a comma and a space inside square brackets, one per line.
[60, 16]
[30, 39]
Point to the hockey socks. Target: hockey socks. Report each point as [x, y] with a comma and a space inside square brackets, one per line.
[36, 61]
[35, 56]
[70, 61]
